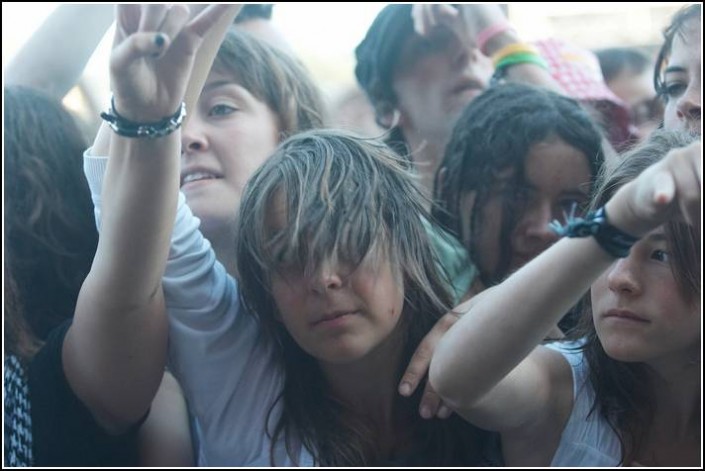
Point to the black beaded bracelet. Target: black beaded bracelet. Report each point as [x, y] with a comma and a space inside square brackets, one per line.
[127, 128]
[614, 241]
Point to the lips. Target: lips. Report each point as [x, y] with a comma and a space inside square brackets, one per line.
[333, 316]
[196, 174]
[467, 84]
[625, 315]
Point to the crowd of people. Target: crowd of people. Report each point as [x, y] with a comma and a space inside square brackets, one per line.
[507, 275]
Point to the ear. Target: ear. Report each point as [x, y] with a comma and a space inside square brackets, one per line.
[387, 116]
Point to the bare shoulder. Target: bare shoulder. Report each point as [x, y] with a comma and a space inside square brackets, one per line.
[535, 442]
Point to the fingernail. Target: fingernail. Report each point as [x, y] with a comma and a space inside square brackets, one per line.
[444, 412]
[405, 389]
[425, 412]
[159, 39]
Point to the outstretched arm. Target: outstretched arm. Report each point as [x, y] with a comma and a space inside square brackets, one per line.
[54, 57]
[486, 27]
[114, 353]
[488, 363]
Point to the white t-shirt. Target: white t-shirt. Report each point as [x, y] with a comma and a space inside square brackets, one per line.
[217, 352]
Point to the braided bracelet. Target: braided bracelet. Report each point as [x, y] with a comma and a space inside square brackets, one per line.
[614, 241]
[124, 127]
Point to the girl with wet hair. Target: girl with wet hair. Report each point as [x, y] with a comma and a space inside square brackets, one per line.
[626, 390]
[519, 157]
[334, 261]
[296, 361]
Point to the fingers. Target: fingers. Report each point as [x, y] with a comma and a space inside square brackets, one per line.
[174, 20]
[136, 46]
[427, 17]
[418, 366]
[127, 20]
[202, 22]
[430, 403]
[420, 361]
[686, 171]
[152, 16]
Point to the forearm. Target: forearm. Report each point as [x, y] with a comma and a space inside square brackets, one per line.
[528, 73]
[53, 59]
[507, 322]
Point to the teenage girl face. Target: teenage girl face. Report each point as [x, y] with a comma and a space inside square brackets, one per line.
[434, 81]
[339, 313]
[557, 177]
[683, 81]
[639, 311]
[230, 133]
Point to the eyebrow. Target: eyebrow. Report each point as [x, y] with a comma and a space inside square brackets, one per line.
[656, 237]
[220, 83]
[674, 69]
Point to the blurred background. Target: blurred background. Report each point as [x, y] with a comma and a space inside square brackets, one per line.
[324, 35]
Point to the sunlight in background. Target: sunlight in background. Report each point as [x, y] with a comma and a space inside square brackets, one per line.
[324, 35]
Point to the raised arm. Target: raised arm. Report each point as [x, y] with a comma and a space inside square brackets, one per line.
[114, 354]
[53, 59]
[487, 366]
[487, 28]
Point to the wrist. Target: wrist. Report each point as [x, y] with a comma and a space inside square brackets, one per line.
[127, 127]
[499, 41]
[599, 225]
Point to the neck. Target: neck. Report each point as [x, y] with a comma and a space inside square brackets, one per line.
[369, 385]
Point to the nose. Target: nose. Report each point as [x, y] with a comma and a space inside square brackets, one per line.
[193, 136]
[327, 277]
[533, 234]
[464, 53]
[689, 105]
[621, 277]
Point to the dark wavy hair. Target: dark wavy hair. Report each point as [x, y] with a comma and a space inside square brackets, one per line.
[50, 231]
[274, 77]
[622, 394]
[344, 196]
[676, 27]
[495, 133]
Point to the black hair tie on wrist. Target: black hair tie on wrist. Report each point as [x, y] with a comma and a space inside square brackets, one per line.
[614, 241]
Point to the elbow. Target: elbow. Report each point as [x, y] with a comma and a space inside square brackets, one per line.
[445, 384]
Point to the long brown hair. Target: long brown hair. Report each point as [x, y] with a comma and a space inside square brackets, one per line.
[622, 393]
[50, 231]
[344, 195]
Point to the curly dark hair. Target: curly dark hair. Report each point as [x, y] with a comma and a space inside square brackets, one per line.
[50, 232]
[495, 133]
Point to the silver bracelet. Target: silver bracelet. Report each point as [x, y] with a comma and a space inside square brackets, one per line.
[127, 128]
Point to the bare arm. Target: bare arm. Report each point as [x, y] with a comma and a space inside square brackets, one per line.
[467, 21]
[488, 363]
[114, 354]
[54, 57]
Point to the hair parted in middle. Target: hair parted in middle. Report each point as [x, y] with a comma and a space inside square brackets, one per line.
[495, 133]
[343, 197]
